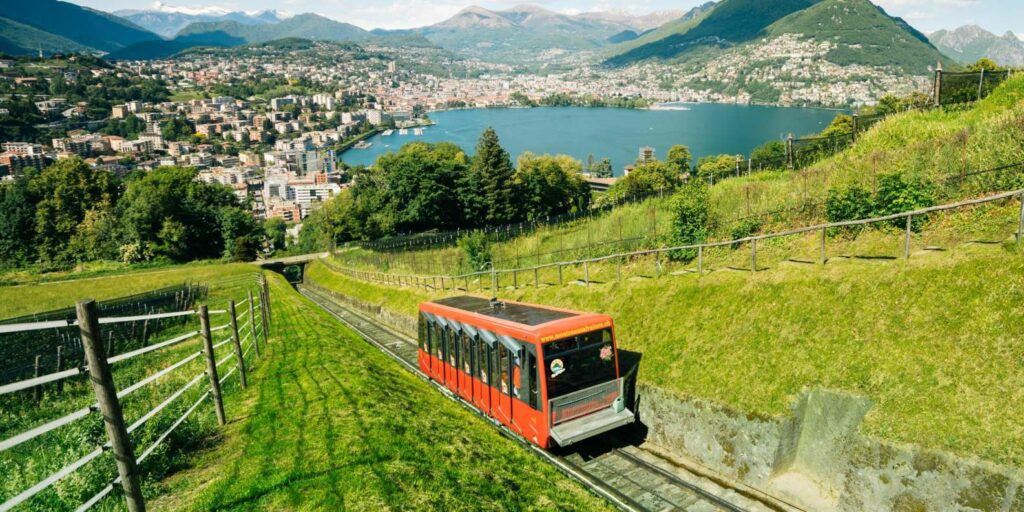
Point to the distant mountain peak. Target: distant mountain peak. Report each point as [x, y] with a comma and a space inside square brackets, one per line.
[968, 43]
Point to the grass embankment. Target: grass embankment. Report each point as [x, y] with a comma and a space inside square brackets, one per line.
[30, 462]
[935, 145]
[331, 423]
[933, 342]
[41, 294]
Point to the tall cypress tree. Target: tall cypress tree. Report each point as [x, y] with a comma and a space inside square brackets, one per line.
[492, 174]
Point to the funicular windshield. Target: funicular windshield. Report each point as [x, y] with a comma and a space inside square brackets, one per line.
[579, 362]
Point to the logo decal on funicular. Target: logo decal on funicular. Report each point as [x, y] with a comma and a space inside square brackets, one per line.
[557, 368]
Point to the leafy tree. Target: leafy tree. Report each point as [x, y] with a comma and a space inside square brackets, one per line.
[550, 185]
[646, 179]
[176, 128]
[17, 223]
[680, 158]
[842, 124]
[96, 237]
[170, 214]
[769, 155]
[492, 172]
[984, 64]
[717, 166]
[276, 230]
[602, 168]
[477, 249]
[423, 185]
[241, 233]
[689, 209]
[66, 191]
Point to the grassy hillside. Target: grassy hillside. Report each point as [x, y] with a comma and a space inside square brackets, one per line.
[331, 423]
[931, 341]
[48, 295]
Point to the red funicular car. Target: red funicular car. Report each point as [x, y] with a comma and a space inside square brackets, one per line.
[550, 375]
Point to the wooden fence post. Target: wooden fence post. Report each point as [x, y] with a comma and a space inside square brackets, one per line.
[559, 274]
[37, 391]
[242, 378]
[252, 325]
[586, 272]
[110, 407]
[1020, 221]
[211, 364]
[700, 260]
[906, 245]
[266, 292]
[823, 257]
[264, 314]
[60, 367]
[753, 255]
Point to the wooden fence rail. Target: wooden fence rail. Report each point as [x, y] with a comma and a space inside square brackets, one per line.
[109, 398]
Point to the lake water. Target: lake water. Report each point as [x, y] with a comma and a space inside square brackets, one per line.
[618, 134]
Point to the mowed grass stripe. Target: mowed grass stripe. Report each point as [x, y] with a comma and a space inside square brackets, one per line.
[331, 423]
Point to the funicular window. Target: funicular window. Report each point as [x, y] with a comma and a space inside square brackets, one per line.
[533, 397]
[579, 362]
[502, 370]
[483, 360]
[467, 358]
[453, 349]
[440, 347]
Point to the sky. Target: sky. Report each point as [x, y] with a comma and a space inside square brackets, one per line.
[998, 16]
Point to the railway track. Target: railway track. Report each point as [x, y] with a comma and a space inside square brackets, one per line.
[629, 477]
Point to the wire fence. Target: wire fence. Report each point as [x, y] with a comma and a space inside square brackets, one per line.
[957, 88]
[453, 281]
[55, 342]
[244, 322]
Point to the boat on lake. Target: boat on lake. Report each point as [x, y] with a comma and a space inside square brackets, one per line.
[363, 145]
[387, 132]
[403, 131]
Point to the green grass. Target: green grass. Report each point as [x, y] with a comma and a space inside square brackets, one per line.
[331, 424]
[45, 295]
[931, 341]
[30, 462]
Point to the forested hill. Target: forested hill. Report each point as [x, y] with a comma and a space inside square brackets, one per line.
[855, 31]
[53, 24]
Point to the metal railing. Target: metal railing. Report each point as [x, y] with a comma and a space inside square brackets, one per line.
[450, 282]
[108, 397]
[583, 402]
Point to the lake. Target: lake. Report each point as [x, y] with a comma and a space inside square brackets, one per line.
[615, 133]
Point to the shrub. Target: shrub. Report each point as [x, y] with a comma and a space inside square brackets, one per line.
[898, 193]
[689, 208]
[477, 248]
[853, 203]
[744, 228]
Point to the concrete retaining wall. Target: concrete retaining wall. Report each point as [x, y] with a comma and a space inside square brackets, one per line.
[817, 459]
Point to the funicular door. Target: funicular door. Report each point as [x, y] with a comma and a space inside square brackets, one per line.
[465, 366]
[437, 361]
[451, 379]
[503, 373]
[527, 417]
[481, 387]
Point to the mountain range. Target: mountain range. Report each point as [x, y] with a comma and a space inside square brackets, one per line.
[845, 31]
[167, 20]
[969, 43]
